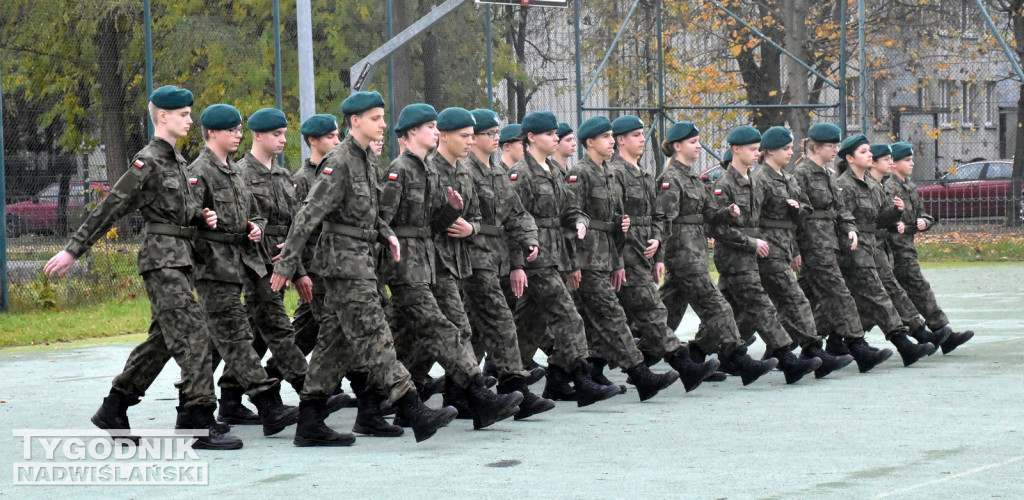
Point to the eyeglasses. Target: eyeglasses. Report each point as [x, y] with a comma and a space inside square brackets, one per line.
[236, 131]
[492, 135]
[834, 145]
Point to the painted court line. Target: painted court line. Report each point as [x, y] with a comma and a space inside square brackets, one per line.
[949, 478]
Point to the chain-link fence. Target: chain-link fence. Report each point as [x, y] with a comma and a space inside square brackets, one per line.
[74, 90]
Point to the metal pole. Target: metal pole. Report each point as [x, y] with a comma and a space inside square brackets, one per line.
[307, 81]
[661, 92]
[4, 303]
[607, 55]
[1002, 43]
[147, 21]
[490, 61]
[842, 66]
[861, 40]
[392, 144]
[579, 71]
[277, 65]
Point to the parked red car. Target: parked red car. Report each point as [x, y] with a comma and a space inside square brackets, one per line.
[976, 189]
[39, 215]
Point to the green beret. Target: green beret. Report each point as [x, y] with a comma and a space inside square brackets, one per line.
[171, 97]
[901, 150]
[824, 132]
[510, 133]
[267, 119]
[220, 117]
[879, 150]
[741, 136]
[318, 125]
[485, 119]
[360, 101]
[775, 138]
[850, 144]
[563, 130]
[593, 127]
[455, 119]
[539, 121]
[626, 123]
[727, 157]
[413, 116]
[681, 131]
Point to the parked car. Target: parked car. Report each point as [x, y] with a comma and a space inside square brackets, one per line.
[709, 176]
[975, 189]
[39, 214]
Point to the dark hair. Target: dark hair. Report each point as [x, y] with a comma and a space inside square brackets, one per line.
[668, 148]
[842, 166]
[761, 153]
[524, 137]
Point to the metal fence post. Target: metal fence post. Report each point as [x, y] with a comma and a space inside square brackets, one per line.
[389, 21]
[277, 65]
[862, 41]
[490, 61]
[4, 303]
[842, 67]
[147, 22]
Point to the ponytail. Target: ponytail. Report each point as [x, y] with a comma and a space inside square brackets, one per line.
[761, 154]
[668, 149]
[842, 166]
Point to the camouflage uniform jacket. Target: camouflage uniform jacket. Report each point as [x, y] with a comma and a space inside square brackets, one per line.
[902, 245]
[156, 184]
[819, 230]
[776, 188]
[600, 197]
[553, 206]
[682, 208]
[869, 204]
[453, 253]
[344, 195]
[505, 226]
[275, 200]
[638, 193]
[222, 188]
[412, 199]
[303, 179]
[736, 238]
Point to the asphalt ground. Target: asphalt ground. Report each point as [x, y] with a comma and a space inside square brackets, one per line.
[950, 426]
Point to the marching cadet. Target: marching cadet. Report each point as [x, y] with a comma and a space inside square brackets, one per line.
[738, 244]
[683, 207]
[504, 227]
[545, 314]
[342, 205]
[414, 200]
[871, 210]
[601, 264]
[646, 313]
[156, 185]
[227, 257]
[905, 264]
[783, 208]
[566, 146]
[510, 142]
[820, 277]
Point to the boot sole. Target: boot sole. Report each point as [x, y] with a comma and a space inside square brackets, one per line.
[308, 442]
[98, 422]
[920, 351]
[953, 347]
[825, 371]
[238, 421]
[427, 431]
[506, 411]
[291, 417]
[750, 379]
[601, 396]
[792, 378]
[366, 431]
[885, 354]
[199, 445]
[708, 368]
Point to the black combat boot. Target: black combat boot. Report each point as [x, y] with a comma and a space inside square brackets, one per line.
[557, 387]
[835, 346]
[424, 421]
[456, 398]
[647, 383]
[697, 355]
[650, 359]
[867, 358]
[537, 372]
[184, 419]
[531, 404]
[587, 391]
[829, 362]
[909, 350]
[202, 418]
[274, 415]
[795, 368]
[430, 386]
[232, 411]
[730, 365]
[311, 429]
[749, 369]
[597, 374]
[334, 402]
[489, 407]
[370, 420]
[936, 338]
[490, 368]
[113, 414]
[691, 373]
[955, 339]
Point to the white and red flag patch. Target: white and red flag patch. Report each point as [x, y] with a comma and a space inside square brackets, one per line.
[513, 176]
[138, 163]
[665, 185]
[718, 190]
[193, 180]
[393, 176]
[328, 170]
[573, 178]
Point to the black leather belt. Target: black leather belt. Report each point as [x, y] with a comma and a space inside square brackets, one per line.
[351, 231]
[547, 222]
[275, 230]
[689, 219]
[219, 237]
[822, 214]
[605, 227]
[170, 230]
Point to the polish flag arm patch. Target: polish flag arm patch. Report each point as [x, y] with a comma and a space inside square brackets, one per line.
[665, 185]
[328, 170]
[193, 180]
[393, 176]
[513, 177]
[573, 178]
[718, 191]
[139, 163]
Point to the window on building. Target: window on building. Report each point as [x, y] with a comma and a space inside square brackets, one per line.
[971, 103]
[991, 104]
[949, 97]
[852, 103]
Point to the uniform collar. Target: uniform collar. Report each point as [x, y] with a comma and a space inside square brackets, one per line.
[771, 173]
[849, 173]
[227, 168]
[165, 147]
[739, 179]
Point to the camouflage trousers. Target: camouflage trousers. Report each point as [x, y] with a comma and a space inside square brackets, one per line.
[231, 336]
[546, 318]
[753, 309]
[605, 322]
[873, 304]
[354, 331]
[307, 318]
[427, 333]
[718, 331]
[178, 330]
[492, 325]
[900, 301]
[909, 274]
[835, 310]
[647, 314]
[794, 309]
